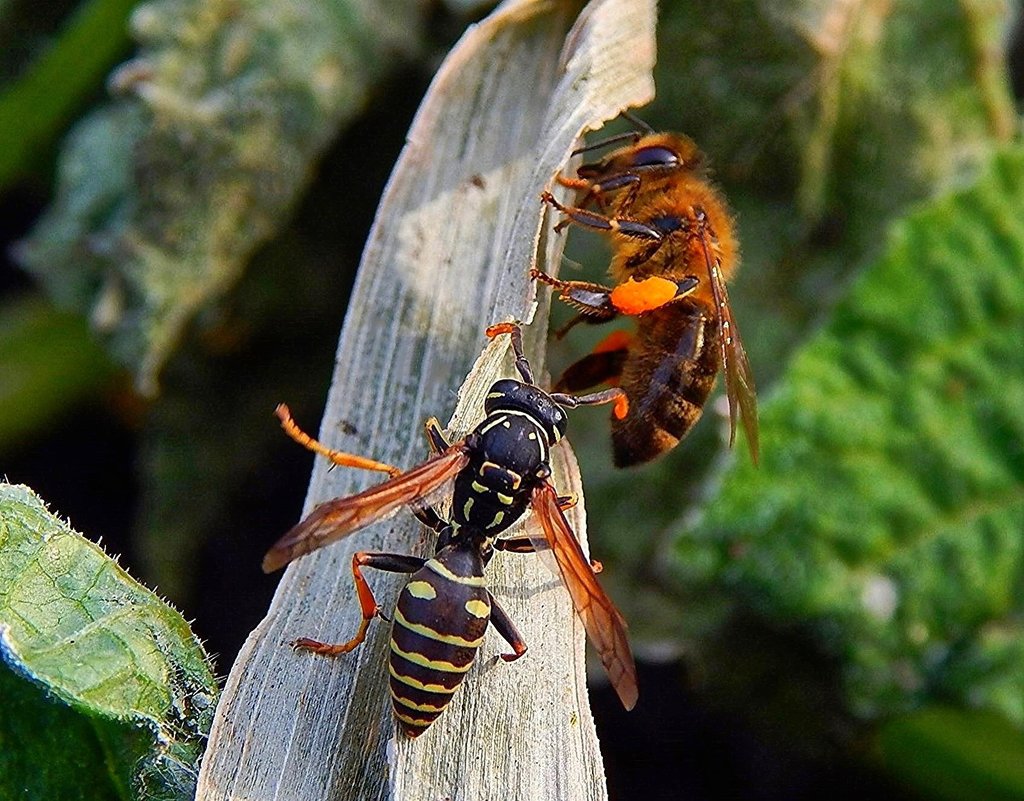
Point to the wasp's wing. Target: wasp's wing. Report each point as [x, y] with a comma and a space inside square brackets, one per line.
[739, 380]
[335, 519]
[604, 625]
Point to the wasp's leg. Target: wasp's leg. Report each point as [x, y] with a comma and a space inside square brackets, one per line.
[615, 395]
[507, 629]
[391, 562]
[531, 545]
[518, 545]
[516, 333]
[435, 436]
[292, 429]
[439, 443]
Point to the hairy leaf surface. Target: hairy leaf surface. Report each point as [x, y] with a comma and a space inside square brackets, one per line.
[97, 671]
[888, 510]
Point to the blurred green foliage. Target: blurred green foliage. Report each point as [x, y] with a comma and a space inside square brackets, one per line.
[47, 363]
[165, 193]
[955, 755]
[38, 104]
[107, 693]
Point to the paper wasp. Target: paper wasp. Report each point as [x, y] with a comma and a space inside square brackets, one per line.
[672, 236]
[500, 470]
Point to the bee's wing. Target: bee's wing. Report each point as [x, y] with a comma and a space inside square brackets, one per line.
[739, 380]
[335, 519]
[604, 625]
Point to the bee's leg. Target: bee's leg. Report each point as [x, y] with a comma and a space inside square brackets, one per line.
[630, 136]
[516, 333]
[599, 222]
[391, 562]
[292, 429]
[592, 301]
[602, 366]
[507, 629]
[598, 304]
[596, 192]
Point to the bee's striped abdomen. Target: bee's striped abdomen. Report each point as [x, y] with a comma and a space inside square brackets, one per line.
[439, 624]
[668, 378]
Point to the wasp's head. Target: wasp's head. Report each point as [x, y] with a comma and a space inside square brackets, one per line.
[511, 395]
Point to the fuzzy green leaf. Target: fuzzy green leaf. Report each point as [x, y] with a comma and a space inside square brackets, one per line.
[164, 195]
[95, 668]
[888, 510]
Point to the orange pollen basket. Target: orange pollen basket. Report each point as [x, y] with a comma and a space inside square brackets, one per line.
[637, 297]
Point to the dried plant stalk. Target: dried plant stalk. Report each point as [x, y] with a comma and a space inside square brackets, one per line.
[458, 228]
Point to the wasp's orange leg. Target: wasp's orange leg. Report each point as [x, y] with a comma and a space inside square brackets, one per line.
[391, 562]
[507, 629]
[339, 458]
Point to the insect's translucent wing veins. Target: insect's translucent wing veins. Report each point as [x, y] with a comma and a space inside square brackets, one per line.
[739, 379]
[604, 625]
[332, 520]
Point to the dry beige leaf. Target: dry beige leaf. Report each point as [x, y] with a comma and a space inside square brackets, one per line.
[456, 233]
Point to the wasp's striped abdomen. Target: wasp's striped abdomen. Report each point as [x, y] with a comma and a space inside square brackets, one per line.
[439, 624]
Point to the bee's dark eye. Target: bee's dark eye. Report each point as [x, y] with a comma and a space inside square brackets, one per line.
[655, 156]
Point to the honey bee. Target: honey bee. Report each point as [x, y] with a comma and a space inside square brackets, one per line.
[673, 245]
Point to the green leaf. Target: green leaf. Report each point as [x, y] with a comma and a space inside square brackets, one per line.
[34, 107]
[104, 684]
[48, 360]
[887, 513]
[165, 194]
[955, 755]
